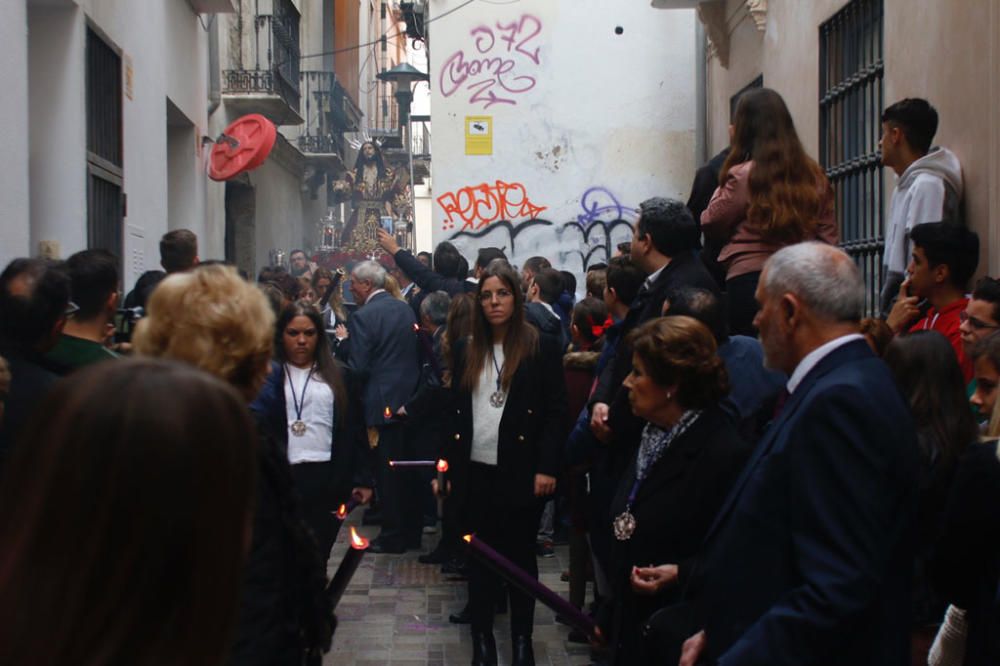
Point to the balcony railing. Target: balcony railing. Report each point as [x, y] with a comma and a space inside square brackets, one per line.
[275, 58]
[420, 142]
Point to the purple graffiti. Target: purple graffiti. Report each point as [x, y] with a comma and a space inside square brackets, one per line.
[500, 67]
[598, 202]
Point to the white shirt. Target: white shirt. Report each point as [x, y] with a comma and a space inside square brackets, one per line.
[377, 291]
[317, 413]
[486, 417]
[651, 278]
[812, 359]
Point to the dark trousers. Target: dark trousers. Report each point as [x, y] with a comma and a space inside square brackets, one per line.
[397, 489]
[510, 531]
[740, 292]
[319, 498]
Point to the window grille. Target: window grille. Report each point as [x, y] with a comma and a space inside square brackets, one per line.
[105, 202]
[851, 71]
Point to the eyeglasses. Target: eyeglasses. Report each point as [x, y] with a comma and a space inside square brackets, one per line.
[71, 309]
[977, 324]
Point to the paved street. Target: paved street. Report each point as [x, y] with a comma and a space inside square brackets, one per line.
[396, 612]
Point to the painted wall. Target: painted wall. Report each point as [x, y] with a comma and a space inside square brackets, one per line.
[587, 123]
[167, 47]
[14, 193]
[953, 63]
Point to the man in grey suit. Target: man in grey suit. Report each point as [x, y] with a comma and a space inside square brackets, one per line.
[384, 359]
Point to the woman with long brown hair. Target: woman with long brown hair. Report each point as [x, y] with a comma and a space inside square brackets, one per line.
[126, 517]
[771, 194]
[307, 404]
[504, 450]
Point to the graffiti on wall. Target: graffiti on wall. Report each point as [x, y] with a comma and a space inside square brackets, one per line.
[499, 67]
[599, 203]
[476, 206]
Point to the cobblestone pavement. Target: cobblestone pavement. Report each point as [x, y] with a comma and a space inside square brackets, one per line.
[395, 611]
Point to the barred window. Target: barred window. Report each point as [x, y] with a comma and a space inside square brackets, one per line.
[850, 107]
[105, 200]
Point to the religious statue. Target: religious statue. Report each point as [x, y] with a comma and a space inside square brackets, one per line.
[373, 191]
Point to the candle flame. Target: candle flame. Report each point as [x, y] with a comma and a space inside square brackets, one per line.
[392, 463]
[358, 542]
[467, 538]
[388, 412]
[442, 465]
[342, 511]
[416, 327]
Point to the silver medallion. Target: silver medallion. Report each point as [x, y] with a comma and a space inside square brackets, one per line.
[498, 398]
[298, 428]
[624, 524]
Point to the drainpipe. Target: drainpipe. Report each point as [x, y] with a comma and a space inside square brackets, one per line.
[214, 73]
[701, 94]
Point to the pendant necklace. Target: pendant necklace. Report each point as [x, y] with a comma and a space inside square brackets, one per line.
[498, 397]
[298, 426]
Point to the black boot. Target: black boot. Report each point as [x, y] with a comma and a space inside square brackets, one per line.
[463, 616]
[522, 652]
[484, 649]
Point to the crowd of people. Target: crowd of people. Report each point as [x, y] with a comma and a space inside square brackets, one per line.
[746, 469]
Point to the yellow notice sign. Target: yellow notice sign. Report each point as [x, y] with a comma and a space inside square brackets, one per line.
[479, 135]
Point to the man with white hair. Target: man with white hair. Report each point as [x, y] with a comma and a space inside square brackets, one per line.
[810, 558]
[385, 360]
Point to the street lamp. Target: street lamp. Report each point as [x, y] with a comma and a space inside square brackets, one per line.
[404, 75]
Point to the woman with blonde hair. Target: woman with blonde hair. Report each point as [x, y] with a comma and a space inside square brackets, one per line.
[216, 321]
[770, 194]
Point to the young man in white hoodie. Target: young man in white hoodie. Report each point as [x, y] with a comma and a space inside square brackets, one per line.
[928, 189]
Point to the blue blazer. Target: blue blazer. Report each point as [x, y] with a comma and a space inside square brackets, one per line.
[810, 558]
[384, 357]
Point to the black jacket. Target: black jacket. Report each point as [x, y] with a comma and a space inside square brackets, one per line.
[674, 507]
[532, 428]
[383, 357]
[684, 270]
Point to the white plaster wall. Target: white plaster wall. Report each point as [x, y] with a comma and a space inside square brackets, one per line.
[168, 49]
[14, 193]
[284, 214]
[604, 122]
[57, 165]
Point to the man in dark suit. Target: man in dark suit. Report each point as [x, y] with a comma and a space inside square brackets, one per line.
[810, 558]
[384, 359]
[664, 244]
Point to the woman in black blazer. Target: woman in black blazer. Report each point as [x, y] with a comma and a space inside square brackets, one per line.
[306, 406]
[504, 448]
[689, 456]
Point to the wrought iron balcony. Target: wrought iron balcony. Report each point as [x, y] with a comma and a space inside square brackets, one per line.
[272, 86]
[320, 138]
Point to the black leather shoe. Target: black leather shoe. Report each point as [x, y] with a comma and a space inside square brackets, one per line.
[484, 649]
[522, 652]
[384, 546]
[463, 616]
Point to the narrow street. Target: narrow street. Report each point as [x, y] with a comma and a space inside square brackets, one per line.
[396, 612]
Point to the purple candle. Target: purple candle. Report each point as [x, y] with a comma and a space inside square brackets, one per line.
[532, 587]
[352, 559]
[412, 463]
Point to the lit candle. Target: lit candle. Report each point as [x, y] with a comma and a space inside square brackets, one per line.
[345, 509]
[352, 559]
[388, 413]
[412, 463]
[532, 587]
[442, 467]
